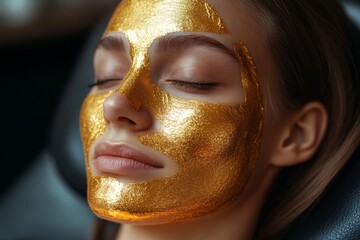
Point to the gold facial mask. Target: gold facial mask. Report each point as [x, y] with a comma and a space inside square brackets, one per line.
[214, 145]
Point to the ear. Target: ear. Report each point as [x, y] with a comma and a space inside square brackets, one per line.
[301, 135]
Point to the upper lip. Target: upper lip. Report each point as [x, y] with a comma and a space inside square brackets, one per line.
[123, 150]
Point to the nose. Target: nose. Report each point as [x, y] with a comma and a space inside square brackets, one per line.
[120, 114]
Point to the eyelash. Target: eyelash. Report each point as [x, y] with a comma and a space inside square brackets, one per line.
[187, 85]
[102, 81]
[192, 85]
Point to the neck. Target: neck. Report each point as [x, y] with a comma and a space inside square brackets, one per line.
[228, 225]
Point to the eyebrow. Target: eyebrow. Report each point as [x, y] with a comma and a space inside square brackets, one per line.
[182, 42]
[111, 43]
[172, 42]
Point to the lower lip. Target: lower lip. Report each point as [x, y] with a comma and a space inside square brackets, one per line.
[120, 165]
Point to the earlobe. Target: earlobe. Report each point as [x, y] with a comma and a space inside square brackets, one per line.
[301, 135]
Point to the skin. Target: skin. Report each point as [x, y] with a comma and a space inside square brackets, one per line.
[292, 139]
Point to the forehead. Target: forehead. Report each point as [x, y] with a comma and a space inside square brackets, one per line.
[142, 21]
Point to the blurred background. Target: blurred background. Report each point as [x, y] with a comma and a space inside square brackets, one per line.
[39, 44]
[45, 46]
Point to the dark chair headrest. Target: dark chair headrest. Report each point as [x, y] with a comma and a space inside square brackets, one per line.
[337, 214]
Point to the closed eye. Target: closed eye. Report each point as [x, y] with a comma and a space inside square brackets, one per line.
[100, 82]
[192, 85]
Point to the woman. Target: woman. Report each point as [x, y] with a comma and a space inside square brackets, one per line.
[201, 108]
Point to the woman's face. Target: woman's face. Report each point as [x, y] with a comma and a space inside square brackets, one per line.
[172, 127]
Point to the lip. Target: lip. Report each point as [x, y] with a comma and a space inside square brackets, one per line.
[122, 159]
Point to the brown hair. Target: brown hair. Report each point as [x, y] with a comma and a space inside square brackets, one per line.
[311, 44]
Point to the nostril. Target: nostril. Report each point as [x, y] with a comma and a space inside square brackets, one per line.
[120, 113]
[126, 120]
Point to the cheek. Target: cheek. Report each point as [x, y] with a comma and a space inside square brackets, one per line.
[213, 144]
[204, 131]
[92, 123]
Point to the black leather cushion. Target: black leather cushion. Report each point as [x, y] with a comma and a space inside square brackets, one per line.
[337, 214]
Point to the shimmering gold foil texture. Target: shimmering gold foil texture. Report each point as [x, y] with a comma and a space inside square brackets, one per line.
[215, 145]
